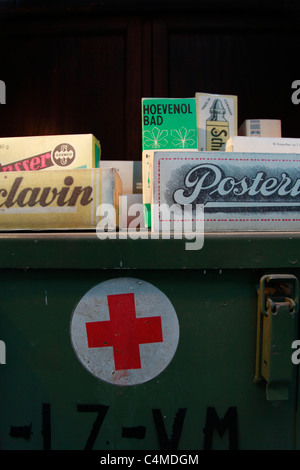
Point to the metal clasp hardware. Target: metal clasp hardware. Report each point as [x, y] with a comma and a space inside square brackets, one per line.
[278, 304]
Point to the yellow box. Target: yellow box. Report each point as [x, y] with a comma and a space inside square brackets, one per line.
[49, 152]
[65, 199]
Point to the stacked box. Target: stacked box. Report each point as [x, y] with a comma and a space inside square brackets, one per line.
[216, 120]
[131, 211]
[60, 200]
[167, 124]
[233, 192]
[260, 128]
[49, 152]
[130, 173]
[263, 145]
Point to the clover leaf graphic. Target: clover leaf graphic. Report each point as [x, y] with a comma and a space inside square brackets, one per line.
[155, 138]
[183, 138]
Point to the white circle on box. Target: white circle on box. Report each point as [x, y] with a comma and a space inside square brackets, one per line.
[124, 331]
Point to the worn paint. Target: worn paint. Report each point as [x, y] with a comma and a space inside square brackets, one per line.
[125, 331]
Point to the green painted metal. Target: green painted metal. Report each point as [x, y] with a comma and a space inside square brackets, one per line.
[85, 251]
[48, 400]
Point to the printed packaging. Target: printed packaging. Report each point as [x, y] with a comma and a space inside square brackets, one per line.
[130, 173]
[216, 120]
[167, 124]
[49, 152]
[260, 128]
[65, 199]
[233, 191]
[263, 145]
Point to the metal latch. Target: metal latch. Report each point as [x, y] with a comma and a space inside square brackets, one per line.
[278, 303]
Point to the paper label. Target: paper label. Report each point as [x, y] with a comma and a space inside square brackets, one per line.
[62, 199]
[239, 192]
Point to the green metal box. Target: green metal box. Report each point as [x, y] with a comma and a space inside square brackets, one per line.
[185, 376]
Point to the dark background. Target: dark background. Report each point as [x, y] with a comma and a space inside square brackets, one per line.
[83, 66]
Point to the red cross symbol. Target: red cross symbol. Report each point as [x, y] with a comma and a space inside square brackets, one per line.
[124, 331]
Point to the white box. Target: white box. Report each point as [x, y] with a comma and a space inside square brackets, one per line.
[131, 211]
[260, 128]
[263, 145]
[237, 192]
[130, 173]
